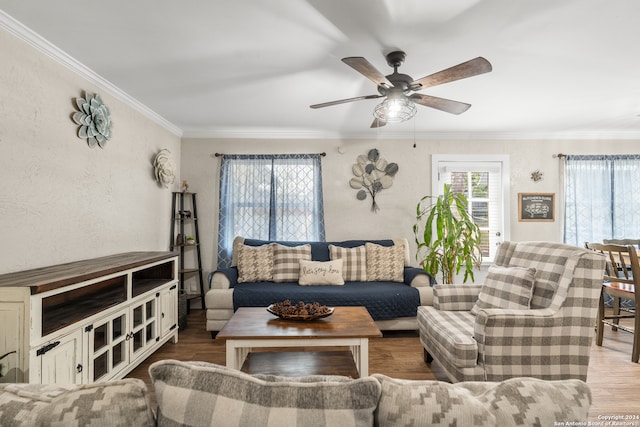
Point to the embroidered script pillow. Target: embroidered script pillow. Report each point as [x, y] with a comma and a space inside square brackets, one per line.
[321, 273]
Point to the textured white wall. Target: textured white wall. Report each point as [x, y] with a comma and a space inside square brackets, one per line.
[60, 200]
[348, 218]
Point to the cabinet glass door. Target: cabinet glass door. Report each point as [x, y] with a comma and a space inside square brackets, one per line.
[107, 346]
[144, 329]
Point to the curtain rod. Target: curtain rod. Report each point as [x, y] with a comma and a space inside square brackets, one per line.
[323, 154]
[559, 155]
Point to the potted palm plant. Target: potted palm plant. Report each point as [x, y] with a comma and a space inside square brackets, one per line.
[446, 235]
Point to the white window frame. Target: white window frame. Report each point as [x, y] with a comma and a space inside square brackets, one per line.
[468, 160]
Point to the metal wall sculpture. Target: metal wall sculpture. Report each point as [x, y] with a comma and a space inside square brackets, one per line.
[372, 174]
[93, 118]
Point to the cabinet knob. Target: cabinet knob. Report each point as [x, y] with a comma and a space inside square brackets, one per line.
[79, 368]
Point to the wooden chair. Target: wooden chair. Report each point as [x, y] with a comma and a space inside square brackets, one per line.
[621, 279]
[616, 301]
[625, 242]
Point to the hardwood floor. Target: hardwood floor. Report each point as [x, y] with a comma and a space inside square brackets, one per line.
[613, 378]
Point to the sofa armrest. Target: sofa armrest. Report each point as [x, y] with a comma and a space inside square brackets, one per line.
[502, 333]
[223, 278]
[417, 277]
[455, 297]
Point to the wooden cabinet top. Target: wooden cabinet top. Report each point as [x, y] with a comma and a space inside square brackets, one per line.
[56, 276]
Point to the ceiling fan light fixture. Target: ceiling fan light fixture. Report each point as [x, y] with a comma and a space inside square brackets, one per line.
[395, 110]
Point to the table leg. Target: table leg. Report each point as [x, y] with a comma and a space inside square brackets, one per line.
[236, 354]
[364, 357]
[360, 353]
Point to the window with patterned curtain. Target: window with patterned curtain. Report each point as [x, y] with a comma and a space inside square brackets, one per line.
[601, 198]
[269, 197]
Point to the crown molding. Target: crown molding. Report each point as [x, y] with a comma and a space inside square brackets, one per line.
[33, 39]
[388, 134]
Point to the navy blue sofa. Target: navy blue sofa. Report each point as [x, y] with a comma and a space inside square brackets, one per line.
[392, 305]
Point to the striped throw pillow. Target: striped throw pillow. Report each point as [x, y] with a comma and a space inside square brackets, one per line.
[286, 261]
[199, 393]
[354, 262]
[506, 287]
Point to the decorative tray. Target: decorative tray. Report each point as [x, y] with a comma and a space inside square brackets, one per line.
[276, 310]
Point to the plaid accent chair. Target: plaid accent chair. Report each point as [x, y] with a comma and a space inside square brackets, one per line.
[548, 336]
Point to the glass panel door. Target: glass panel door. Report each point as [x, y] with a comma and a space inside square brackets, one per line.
[107, 346]
[144, 325]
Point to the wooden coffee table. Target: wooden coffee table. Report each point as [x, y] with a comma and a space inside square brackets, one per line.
[255, 327]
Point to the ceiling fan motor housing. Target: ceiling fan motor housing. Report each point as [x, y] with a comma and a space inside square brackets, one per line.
[401, 81]
[395, 58]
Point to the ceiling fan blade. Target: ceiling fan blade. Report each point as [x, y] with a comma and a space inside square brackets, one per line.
[343, 101]
[470, 68]
[453, 107]
[377, 123]
[365, 68]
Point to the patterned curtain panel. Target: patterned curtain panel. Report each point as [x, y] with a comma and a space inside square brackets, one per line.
[269, 197]
[601, 198]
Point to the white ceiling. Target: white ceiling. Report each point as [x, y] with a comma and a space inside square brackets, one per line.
[251, 68]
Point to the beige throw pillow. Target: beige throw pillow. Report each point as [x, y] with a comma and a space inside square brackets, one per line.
[255, 263]
[321, 273]
[385, 263]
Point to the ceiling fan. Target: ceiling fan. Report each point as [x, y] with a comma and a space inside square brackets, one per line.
[399, 104]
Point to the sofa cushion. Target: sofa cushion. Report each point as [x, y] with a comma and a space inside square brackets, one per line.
[514, 402]
[286, 261]
[354, 262]
[385, 263]
[255, 264]
[321, 273]
[383, 300]
[506, 287]
[452, 332]
[196, 394]
[114, 403]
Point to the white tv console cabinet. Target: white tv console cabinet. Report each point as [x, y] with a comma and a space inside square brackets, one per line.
[87, 321]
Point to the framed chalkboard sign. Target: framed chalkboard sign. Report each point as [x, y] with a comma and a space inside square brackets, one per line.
[536, 206]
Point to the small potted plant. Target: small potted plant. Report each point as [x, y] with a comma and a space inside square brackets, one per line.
[190, 240]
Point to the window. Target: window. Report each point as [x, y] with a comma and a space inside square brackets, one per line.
[269, 197]
[600, 198]
[484, 180]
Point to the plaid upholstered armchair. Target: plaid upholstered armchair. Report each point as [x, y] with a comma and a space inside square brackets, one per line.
[534, 316]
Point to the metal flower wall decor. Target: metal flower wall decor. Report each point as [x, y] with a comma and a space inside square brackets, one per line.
[372, 174]
[164, 168]
[93, 118]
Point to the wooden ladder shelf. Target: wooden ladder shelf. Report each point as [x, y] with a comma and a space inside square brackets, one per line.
[184, 211]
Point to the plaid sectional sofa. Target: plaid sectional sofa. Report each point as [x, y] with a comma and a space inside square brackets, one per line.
[533, 317]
